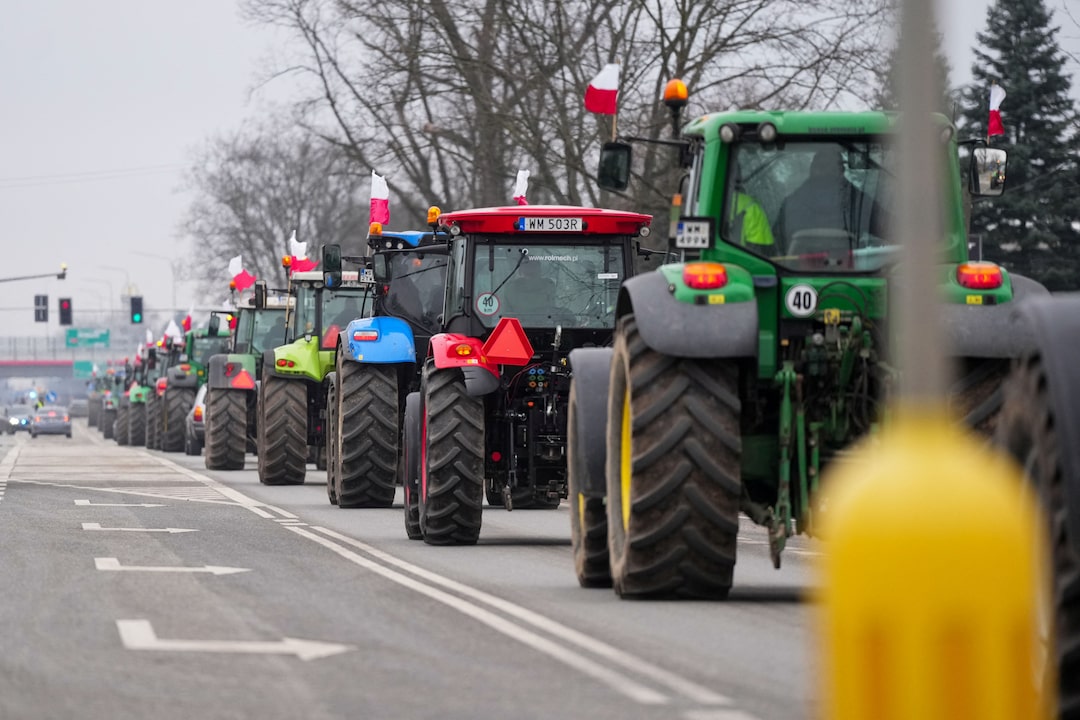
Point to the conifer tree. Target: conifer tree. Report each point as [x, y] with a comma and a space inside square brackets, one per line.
[1030, 229]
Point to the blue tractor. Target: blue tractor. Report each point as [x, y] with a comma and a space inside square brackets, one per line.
[376, 365]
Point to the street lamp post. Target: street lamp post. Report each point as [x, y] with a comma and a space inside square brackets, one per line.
[117, 268]
[172, 270]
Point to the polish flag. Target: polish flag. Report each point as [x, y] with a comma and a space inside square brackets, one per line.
[173, 331]
[380, 199]
[186, 324]
[149, 338]
[300, 260]
[994, 126]
[602, 95]
[240, 276]
[521, 186]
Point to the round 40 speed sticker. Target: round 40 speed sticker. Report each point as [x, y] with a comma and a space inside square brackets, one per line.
[487, 304]
[801, 300]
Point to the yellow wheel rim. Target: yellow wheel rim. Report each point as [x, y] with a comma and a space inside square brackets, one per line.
[625, 461]
[581, 511]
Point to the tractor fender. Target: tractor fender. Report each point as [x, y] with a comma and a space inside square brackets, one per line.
[683, 330]
[226, 372]
[394, 344]
[481, 377]
[993, 331]
[591, 369]
[1056, 325]
[181, 378]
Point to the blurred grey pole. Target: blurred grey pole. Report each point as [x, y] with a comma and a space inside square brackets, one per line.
[921, 356]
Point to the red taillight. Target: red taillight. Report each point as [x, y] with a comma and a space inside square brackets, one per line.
[704, 275]
[365, 335]
[198, 413]
[161, 383]
[979, 276]
[286, 363]
[67, 419]
[185, 367]
[496, 456]
[52, 414]
[229, 367]
[37, 418]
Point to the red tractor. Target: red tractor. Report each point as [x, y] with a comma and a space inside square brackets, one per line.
[525, 286]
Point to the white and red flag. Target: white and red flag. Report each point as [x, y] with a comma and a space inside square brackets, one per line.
[300, 260]
[186, 324]
[149, 338]
[521, 186]
[173, 331]
[239, 275]
[380, 199]
[993, 125]
[602, 94]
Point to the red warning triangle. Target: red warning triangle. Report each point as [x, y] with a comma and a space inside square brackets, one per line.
[508, 344]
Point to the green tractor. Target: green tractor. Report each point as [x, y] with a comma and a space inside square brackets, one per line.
[184, 377]
[739, 373]
[293, 388]
[232, 397]
[161, 357]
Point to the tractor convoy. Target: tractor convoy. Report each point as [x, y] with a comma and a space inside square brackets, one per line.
[511, 355]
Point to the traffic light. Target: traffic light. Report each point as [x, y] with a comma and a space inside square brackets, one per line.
[136, 308]
[41, 308]
[65, 311]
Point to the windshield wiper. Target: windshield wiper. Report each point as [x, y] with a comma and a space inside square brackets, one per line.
[511, 273]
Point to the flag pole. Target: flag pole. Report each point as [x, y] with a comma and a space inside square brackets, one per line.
[614, 120]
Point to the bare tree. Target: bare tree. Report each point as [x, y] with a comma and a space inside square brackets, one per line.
[449, 99]
[255, 187]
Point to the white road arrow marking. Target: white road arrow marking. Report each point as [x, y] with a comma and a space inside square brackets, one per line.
[139, 635]
[114, 564]
[84, 503]
[97, 526]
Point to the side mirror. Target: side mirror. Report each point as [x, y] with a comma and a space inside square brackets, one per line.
[215, 324]
[614, 171]
[260, 296]
[380, 269]
[331, 262]
[988, 171]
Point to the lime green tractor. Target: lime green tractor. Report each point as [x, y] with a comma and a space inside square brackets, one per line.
[140, 387]
[293, 388]
[740, 372]
[185, 376]
[231, 425]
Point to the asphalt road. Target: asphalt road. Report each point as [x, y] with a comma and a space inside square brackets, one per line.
[138, 584]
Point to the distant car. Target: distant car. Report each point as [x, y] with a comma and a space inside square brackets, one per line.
[17, 417]
[79, 408]
[50, 420]
[194, 431]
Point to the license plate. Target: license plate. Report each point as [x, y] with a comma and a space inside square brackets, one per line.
[551, 224]
[693, 234]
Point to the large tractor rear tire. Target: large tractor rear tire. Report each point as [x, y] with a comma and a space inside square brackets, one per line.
[121, 431]
[153, 422]
[107, 420]
[410, 465]
[137, 425]
[225, 429]
[588, 515]
[673, 471]
[976, 395]
[452, 463]
[333, 437]
[283, 448]
[1027, 430]
[93, 410]
[178, 402]
[367, 413]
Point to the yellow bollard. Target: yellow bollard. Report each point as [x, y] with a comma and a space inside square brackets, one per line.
[931, 580]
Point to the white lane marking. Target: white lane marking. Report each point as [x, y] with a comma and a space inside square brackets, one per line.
[618, 682]
[236, 496]
[140, 635]
[105, 563]
[139, 492]
[87, 503]
[671, 680]
[718, 715]
[8, 463]
[171, 531]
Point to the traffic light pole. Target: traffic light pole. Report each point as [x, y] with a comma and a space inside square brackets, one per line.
[59, 276]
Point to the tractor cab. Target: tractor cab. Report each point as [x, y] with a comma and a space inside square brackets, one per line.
[410, 276]
[555, 269]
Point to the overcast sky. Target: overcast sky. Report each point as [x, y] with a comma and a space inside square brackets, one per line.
[101, 105]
